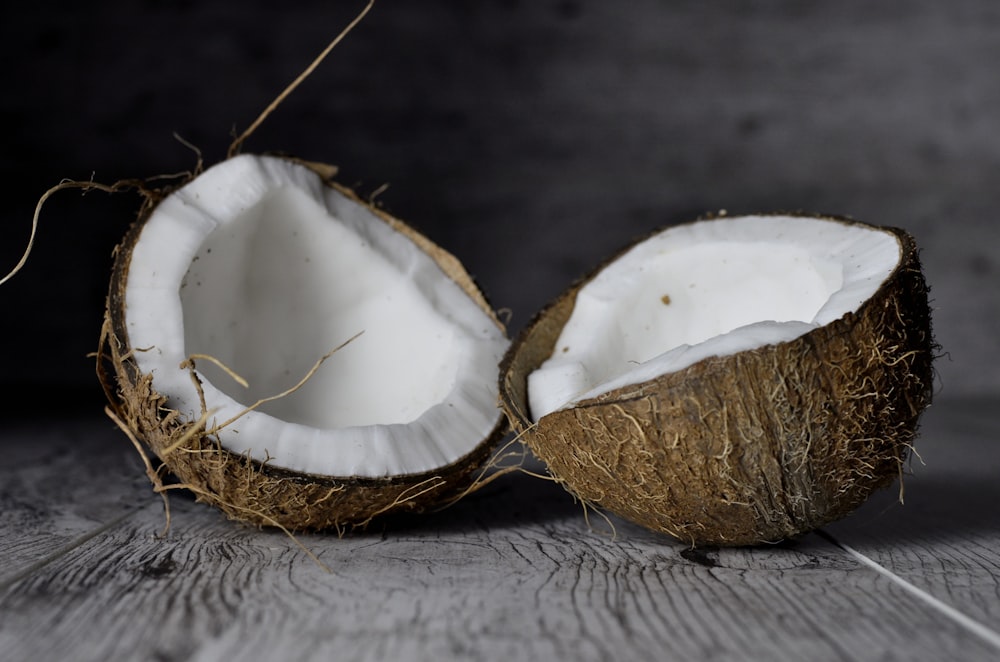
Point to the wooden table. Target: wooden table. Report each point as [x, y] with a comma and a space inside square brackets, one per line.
[512, 573]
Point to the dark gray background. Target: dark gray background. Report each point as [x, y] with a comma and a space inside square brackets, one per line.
[531, 139]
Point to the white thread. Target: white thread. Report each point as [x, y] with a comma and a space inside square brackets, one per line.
[977, 628]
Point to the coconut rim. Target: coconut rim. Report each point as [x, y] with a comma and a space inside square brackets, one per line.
[514, 397]
[128, 369]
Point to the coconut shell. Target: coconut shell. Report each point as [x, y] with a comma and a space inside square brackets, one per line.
[252, 491]
[755, 447]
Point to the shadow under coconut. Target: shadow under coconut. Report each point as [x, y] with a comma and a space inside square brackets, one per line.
[515, 499]
[945, 507]
[951, 487]
[511, 500]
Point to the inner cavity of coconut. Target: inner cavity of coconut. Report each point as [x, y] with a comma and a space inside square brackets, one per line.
[260, 266]
[280, 286]
[711, 288]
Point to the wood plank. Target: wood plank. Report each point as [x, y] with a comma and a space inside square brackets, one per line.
[61, 482]
[945, 538]
[513, 572]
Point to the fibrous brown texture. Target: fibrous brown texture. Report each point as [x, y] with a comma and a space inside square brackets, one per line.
[749, 448]
[252, 491]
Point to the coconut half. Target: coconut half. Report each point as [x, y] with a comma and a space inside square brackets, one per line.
[731, 381]
[257, 268]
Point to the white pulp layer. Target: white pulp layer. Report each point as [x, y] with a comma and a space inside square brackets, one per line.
[261, 267]
[711, 288]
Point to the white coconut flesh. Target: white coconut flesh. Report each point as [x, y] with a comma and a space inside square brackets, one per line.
[711, 288]
[259, 265]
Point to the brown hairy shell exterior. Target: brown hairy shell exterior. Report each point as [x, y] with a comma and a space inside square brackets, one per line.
[252, 491]
[751, 448]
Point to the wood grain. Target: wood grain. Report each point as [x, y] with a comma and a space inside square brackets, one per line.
[945, 536]
[59, 484]
[513, 572]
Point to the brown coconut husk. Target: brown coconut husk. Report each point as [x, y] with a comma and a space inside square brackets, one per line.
[751, 448]
[256, 492]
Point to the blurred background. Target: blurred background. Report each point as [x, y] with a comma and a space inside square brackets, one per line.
[531, 139]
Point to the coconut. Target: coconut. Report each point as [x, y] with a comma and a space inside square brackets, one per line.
[296, 356]
[731, 381]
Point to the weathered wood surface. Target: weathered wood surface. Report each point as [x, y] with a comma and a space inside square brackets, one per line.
[60, 483]
[945, 537]
[513, 572]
